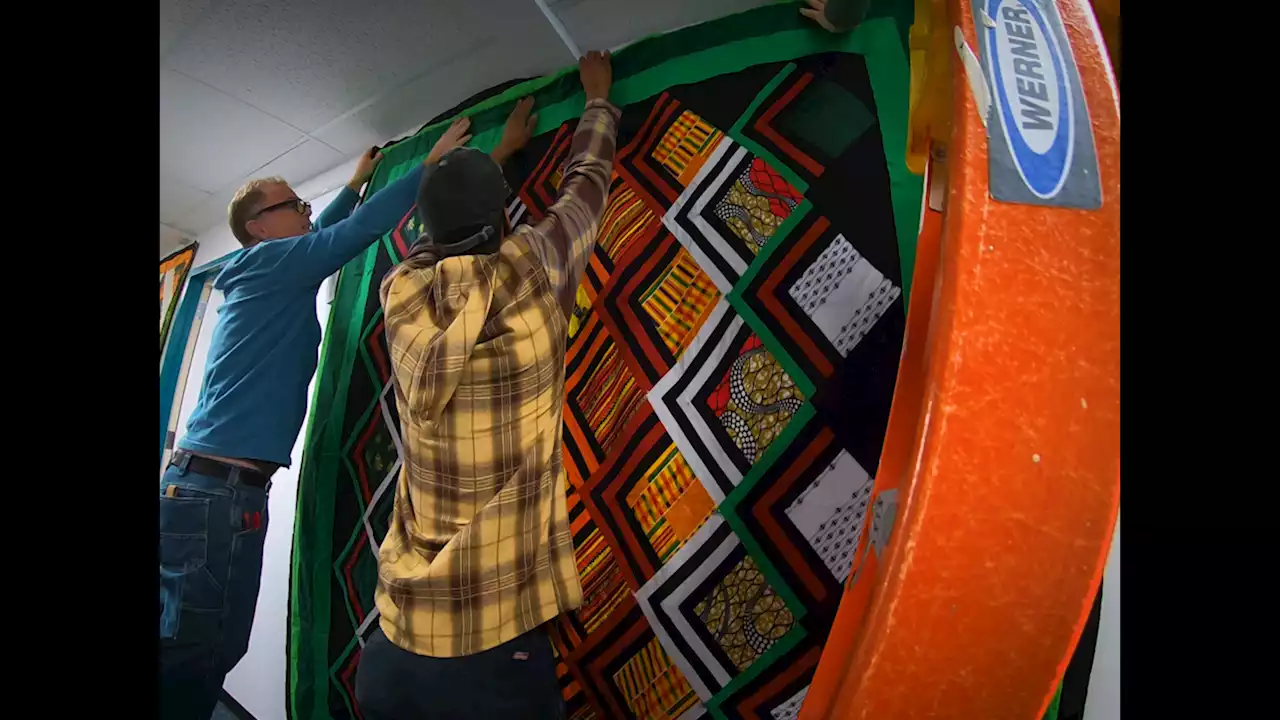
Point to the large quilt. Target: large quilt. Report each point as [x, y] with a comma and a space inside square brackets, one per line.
[730, 367]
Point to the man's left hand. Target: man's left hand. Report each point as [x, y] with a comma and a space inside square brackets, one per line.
[519, 129]
[817, 12]
[455, 137]
[365, 166]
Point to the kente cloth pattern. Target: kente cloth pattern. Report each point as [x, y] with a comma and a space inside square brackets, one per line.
[730, 359]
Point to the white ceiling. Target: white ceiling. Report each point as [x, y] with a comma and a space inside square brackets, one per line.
[250, 88]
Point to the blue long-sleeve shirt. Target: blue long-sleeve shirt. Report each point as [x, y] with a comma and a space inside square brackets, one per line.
[263, 354]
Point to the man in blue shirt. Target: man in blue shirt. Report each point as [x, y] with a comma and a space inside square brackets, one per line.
[213, 495]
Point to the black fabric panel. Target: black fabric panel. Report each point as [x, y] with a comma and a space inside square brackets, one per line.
[855, 401]
[722, 100]
[1075, 683]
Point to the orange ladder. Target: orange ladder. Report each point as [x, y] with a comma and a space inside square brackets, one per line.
[1004, 436]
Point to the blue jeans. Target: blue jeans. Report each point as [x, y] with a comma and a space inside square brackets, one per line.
[513, 681]
[211, 534]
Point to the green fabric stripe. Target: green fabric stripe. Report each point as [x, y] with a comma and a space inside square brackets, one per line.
[739, 137]
[358, 425]
[729, 507]
[775, 346]
[313, 521]
[724, 60]
[1051, 713]
[772, 655]
[366, 357]
[317, 482]
[346, 697]
[559, 97]
[337, 565]
[390, 245]
[298, 561]
[783, 74]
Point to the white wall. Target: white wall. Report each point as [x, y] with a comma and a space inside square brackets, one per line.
[258, 682]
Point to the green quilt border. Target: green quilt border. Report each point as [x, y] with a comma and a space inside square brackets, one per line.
[313, 519]
[322, 458]
[773, 33]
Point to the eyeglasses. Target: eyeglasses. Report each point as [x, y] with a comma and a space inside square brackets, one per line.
[302, 207]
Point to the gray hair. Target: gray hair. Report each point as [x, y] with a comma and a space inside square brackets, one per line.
[245, 204]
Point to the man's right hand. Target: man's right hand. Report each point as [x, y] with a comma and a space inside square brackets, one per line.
[597, 74]
[455, 137]
[836, 16]
[817, 12]
[517, 131]
[365, 166]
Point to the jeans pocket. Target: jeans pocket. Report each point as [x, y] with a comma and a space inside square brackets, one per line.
[243, 583]
[184, 528]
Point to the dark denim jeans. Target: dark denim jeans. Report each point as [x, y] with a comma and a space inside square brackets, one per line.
[514, 681]
[210, 570]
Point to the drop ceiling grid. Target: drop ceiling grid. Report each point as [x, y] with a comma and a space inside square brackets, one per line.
[295, 87]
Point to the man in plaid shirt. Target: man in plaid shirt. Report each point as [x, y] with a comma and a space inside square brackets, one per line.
[479, 554]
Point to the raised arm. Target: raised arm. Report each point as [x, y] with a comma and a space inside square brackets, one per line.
[565, 238]
[349, 195]
[311, 258]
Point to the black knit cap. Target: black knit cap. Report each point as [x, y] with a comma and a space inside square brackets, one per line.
[461, 201]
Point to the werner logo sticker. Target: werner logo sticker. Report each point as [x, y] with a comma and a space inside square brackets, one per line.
[1030, 82]
[1040, 140]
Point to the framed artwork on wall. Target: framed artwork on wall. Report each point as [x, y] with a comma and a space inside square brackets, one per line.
[173, 272]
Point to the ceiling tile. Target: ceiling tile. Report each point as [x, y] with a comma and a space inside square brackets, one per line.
[208, 140]
[309, 62]
[296, 166]
[171, 239]
[210, 212]
[301, 163]
[410, 106]
[352, 74]
[176, 16]
[176, 197]
[601, 24]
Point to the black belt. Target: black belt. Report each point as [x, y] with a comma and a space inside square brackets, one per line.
[218, 469]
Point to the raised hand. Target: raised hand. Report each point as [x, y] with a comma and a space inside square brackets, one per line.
[817, 11]
[455, 137]
[837, 16]
[518, 130]
[365, 166]
[597, 74]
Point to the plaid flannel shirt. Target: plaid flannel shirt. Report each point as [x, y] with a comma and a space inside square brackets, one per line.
[479, 549]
